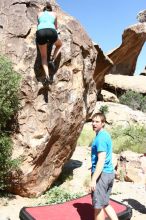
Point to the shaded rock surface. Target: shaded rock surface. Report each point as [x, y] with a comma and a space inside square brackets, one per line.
[103, 66]
[51, 118]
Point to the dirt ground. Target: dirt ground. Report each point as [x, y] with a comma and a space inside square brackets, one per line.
[131, 194]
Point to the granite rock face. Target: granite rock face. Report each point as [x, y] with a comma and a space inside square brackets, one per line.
[51, 118]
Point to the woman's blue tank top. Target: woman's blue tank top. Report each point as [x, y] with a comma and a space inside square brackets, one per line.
[46, 20]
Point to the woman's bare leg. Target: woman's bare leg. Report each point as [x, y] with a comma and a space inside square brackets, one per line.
[43, 52]
[58, 45]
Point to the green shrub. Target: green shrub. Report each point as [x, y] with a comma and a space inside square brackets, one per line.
[86, 136]
[134, 100]
[104, 109]
[58, 195]
[131, 138]
[9, 85]
[9, 103]
[6, 163]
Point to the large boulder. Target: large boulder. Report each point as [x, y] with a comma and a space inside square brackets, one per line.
[50, 118]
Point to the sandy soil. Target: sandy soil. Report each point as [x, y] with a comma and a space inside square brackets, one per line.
[133, 195]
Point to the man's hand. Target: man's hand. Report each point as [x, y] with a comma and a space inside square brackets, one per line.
[93, 185]
[98, 170]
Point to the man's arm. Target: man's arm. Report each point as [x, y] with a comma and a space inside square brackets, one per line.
[98, 169]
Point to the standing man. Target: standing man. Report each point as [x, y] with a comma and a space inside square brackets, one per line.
[102, 170]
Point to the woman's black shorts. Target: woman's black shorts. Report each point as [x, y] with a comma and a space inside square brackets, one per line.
[47, 35]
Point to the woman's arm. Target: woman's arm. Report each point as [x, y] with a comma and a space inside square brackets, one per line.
[39, 14]
[55, 23]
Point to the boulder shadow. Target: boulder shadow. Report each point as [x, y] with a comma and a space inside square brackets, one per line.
[136, 205]
[44, 91]
[85, 211]
[72, 164]
[67, 171]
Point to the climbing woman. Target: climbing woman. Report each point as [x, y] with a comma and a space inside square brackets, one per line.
[47, 34]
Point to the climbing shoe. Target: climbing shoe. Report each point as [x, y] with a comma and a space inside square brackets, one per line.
[46, 81]
[51, 79]
[52, 65]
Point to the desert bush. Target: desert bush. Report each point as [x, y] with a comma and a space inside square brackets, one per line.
[9, 85]
[134, 100]
[58, 195]
[6, 163]
[9, 103]
[104, 109]
[86, 136]
[133, 138]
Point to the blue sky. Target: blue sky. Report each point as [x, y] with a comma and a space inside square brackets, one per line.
[105, 21]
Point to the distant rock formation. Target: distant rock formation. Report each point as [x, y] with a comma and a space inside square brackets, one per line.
[119, 84]
[141, 17]
[119, 114]
[103, 66]
[125, 56]
[143, 73]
